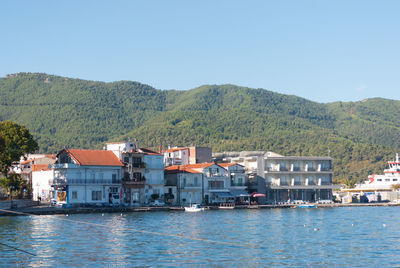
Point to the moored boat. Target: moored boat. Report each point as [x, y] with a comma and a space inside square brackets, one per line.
[307, 206]
[194, 208]
[226, 206]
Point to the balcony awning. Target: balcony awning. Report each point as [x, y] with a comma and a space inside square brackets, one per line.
[223, 194]
[239, 193]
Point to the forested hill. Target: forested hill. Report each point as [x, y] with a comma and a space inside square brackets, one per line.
[63, 112]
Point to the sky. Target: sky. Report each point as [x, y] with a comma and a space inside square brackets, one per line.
[322, 50]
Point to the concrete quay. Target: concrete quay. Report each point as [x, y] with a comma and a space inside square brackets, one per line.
[48, 210]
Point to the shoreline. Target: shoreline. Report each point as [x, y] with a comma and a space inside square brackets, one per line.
[46, 210]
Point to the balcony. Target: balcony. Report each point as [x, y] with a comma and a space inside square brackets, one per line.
[234, 184]
[63, 165]
[190, 185]
[134, 182]
[60, 181]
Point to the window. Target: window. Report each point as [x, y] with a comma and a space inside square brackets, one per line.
[195, 181]
[216, 184]
[387, 179]
[137, 176]
[394, 179]
[74, 195]
[126, 159]
[96, 195]
[113, 190]
[114, 178]
[240, 181]
[379, 179]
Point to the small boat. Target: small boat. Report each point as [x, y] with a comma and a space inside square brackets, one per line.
[307, 206]
[194, 208]
[226, 206]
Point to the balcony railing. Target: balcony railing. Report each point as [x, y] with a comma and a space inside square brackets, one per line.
[189, 185]
[63, 165]
[238, 184]
[83, 181]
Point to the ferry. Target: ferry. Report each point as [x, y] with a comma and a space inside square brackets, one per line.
[378, 188]
[384, 181]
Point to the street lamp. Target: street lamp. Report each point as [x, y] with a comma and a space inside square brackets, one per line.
[11, 188]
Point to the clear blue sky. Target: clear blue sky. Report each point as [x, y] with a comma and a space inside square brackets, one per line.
[320, 50]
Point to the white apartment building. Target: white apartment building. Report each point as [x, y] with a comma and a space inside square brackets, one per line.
[82, 177]
[143, 172]
[287, 178]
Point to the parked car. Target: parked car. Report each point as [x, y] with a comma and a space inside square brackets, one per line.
[157, 203]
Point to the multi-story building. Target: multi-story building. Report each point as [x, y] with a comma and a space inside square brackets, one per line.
[188, 183]
[287, 178]
[82, 177]
[187, 155]
[143, 172]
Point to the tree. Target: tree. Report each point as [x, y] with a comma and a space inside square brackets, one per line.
[396, 187]
[15, 141]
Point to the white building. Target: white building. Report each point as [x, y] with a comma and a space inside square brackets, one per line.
[86, 177]
[187, 183]
[187, 155]
[288, 178]
[143, 172]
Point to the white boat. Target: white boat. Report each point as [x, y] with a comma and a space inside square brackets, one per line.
[194, 208]
[307, 206]
[377, 188]
[384, 181]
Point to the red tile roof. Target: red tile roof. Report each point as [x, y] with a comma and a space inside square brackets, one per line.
[176, 149]
[183, 168]
[200, 165]
[93, 157]
[40, 167]
[228, 164]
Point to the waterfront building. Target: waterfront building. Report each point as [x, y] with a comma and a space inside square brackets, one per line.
[187, 182]
[208, 183]
[30, 163]
[187, 155]
[287, 178]
[238, 181]
[84, 177]
[143, 172]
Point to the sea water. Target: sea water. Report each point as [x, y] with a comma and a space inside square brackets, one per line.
[340, 237]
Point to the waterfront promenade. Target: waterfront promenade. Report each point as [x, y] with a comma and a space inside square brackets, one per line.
[50, 210]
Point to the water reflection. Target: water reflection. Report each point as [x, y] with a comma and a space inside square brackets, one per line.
[276, 237]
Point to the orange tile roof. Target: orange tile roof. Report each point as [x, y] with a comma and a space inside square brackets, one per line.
[94, 157]
[228, 164]
[200, 165]
[183, 168]
[40, 167]
[176, 149]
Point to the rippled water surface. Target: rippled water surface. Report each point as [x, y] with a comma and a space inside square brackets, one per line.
[367, 236]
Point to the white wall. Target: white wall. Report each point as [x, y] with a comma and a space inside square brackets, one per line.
[41, 185]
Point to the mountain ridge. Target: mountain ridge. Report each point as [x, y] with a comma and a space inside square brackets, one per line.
[69, 112]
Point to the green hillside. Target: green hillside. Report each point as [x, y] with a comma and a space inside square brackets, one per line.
[63, 112]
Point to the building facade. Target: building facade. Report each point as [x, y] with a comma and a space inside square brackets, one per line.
[86, 177]
[143, 172]
[287, 178]
[187, 155]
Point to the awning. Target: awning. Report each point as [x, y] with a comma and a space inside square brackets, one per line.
[239, 193]
[223, 194]
[255, 194]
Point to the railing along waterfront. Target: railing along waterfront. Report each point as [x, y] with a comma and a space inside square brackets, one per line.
[83, 181]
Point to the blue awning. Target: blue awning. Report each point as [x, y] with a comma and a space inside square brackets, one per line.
[223, 194]
[239, 193]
